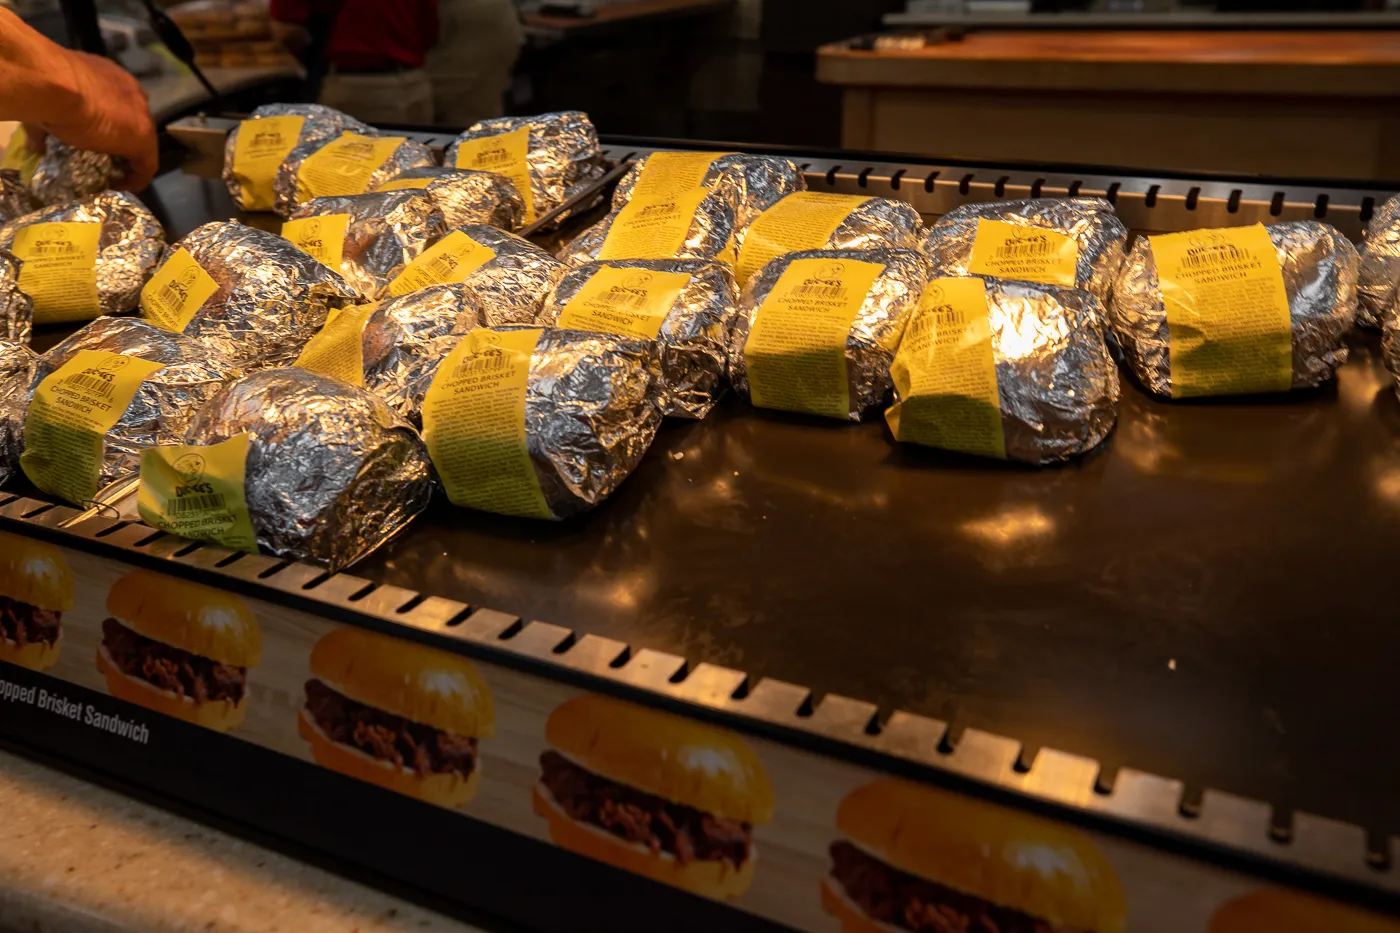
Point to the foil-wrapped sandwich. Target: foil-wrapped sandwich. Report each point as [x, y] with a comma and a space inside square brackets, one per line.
[330, 472]
[112, 389]
[16, 309]
[817, 330]
[1236, 310]
[466, 197]
[66, 173]
[16, 374]
[685, 306]
[367, 238]
[540, 423]
[511, 276]
[1058, 241]
[821, 220]
[86, 258]
[756, 182]
[244, 292]
[351, 163]
[1004, 368]
[1380, 265]
[256, 147]
[698, 224]
[15, 198]
[392, 347]
[549, 158]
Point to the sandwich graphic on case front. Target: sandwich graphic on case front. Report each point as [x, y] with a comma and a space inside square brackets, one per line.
[655, 794]
[36, 588]
[397, 714]
[179, 648]
[919, 858]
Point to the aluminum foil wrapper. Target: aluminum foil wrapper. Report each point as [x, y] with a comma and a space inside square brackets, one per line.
[17, 364]
[692, 336]
[1102, 238]
[15, 199]
[166, 402]
[874, 335]
[16, 310]
[410, 154]
[709, 238]
[128, 250]
[879, 223]
[272, 297]
[1057, 383]
[564, 156]
[66, 174]
[331, 472]
[1380, 265]
[406, 337]
[1319, 275]
[757, 182]
[320, 125]
[387, 231]
[512, 286]
[466, 197]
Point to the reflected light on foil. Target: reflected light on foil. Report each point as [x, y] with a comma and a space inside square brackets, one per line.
[1387, 484]
[1011, 526]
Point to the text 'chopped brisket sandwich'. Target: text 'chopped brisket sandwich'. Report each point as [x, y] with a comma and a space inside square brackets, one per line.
[179, 648]
[651, 793]
[397, 714]
[36, 588]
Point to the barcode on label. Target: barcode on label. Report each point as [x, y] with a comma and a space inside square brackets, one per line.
[183, 505]
[810, 290]
[478, 365]
[92, 384]
[1031, 248]
[1217, 255]
[169, 297]
[629, 300]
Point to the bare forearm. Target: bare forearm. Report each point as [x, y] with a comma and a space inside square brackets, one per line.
[37, 80]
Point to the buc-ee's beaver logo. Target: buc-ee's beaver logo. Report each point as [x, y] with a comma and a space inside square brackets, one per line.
[311, 234]
[1206, 239]
[190, 468]
[112, 364]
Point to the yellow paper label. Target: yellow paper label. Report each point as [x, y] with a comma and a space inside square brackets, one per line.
[803, 220]
[258, 153]
[796, 349]
[474, 423]
[179, 288]
[670, 173]
[505, 154]
[344, 165]
[1227, 311]
[652, 227]
[1031, 254]
[403, 184]
[18, 157]
[197, 492]
[72, 411]
[945, 374]
[337, 350]
[60, 269]
[624, 301]
[322, 238]
[447, 262]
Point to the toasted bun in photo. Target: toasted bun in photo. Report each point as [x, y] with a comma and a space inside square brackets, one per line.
[979, 856]
[1278, 910]
[35, 575]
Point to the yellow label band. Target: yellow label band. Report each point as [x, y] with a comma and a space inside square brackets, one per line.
[72, 411]
[624, 301]
[179, 288]
[802, 220]
[322, 238]
[337, 350]
[197, 492]
[447, 262]
[258, 152]
[344, 165]
[1031, 254]
[945, 373]
[474, 424]
[60, 269]
[671, 173]
[404, 184]
[652, 227]
[18, 157]
[1227, 311]
[796, 349]
[506, 154]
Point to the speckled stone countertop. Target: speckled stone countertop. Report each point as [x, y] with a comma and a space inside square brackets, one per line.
[76, 858]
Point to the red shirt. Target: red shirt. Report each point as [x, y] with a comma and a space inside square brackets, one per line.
[369, 34]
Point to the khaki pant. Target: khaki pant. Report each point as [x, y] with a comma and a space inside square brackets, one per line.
[471, 66]
[392, 97]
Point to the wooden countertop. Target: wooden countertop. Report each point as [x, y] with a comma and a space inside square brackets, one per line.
[1350, 63]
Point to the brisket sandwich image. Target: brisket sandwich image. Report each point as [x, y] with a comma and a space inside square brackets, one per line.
[1278, 910]
[179, 648]
[397, 714]
[923, 859]
[36, 588]
[653, 794]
